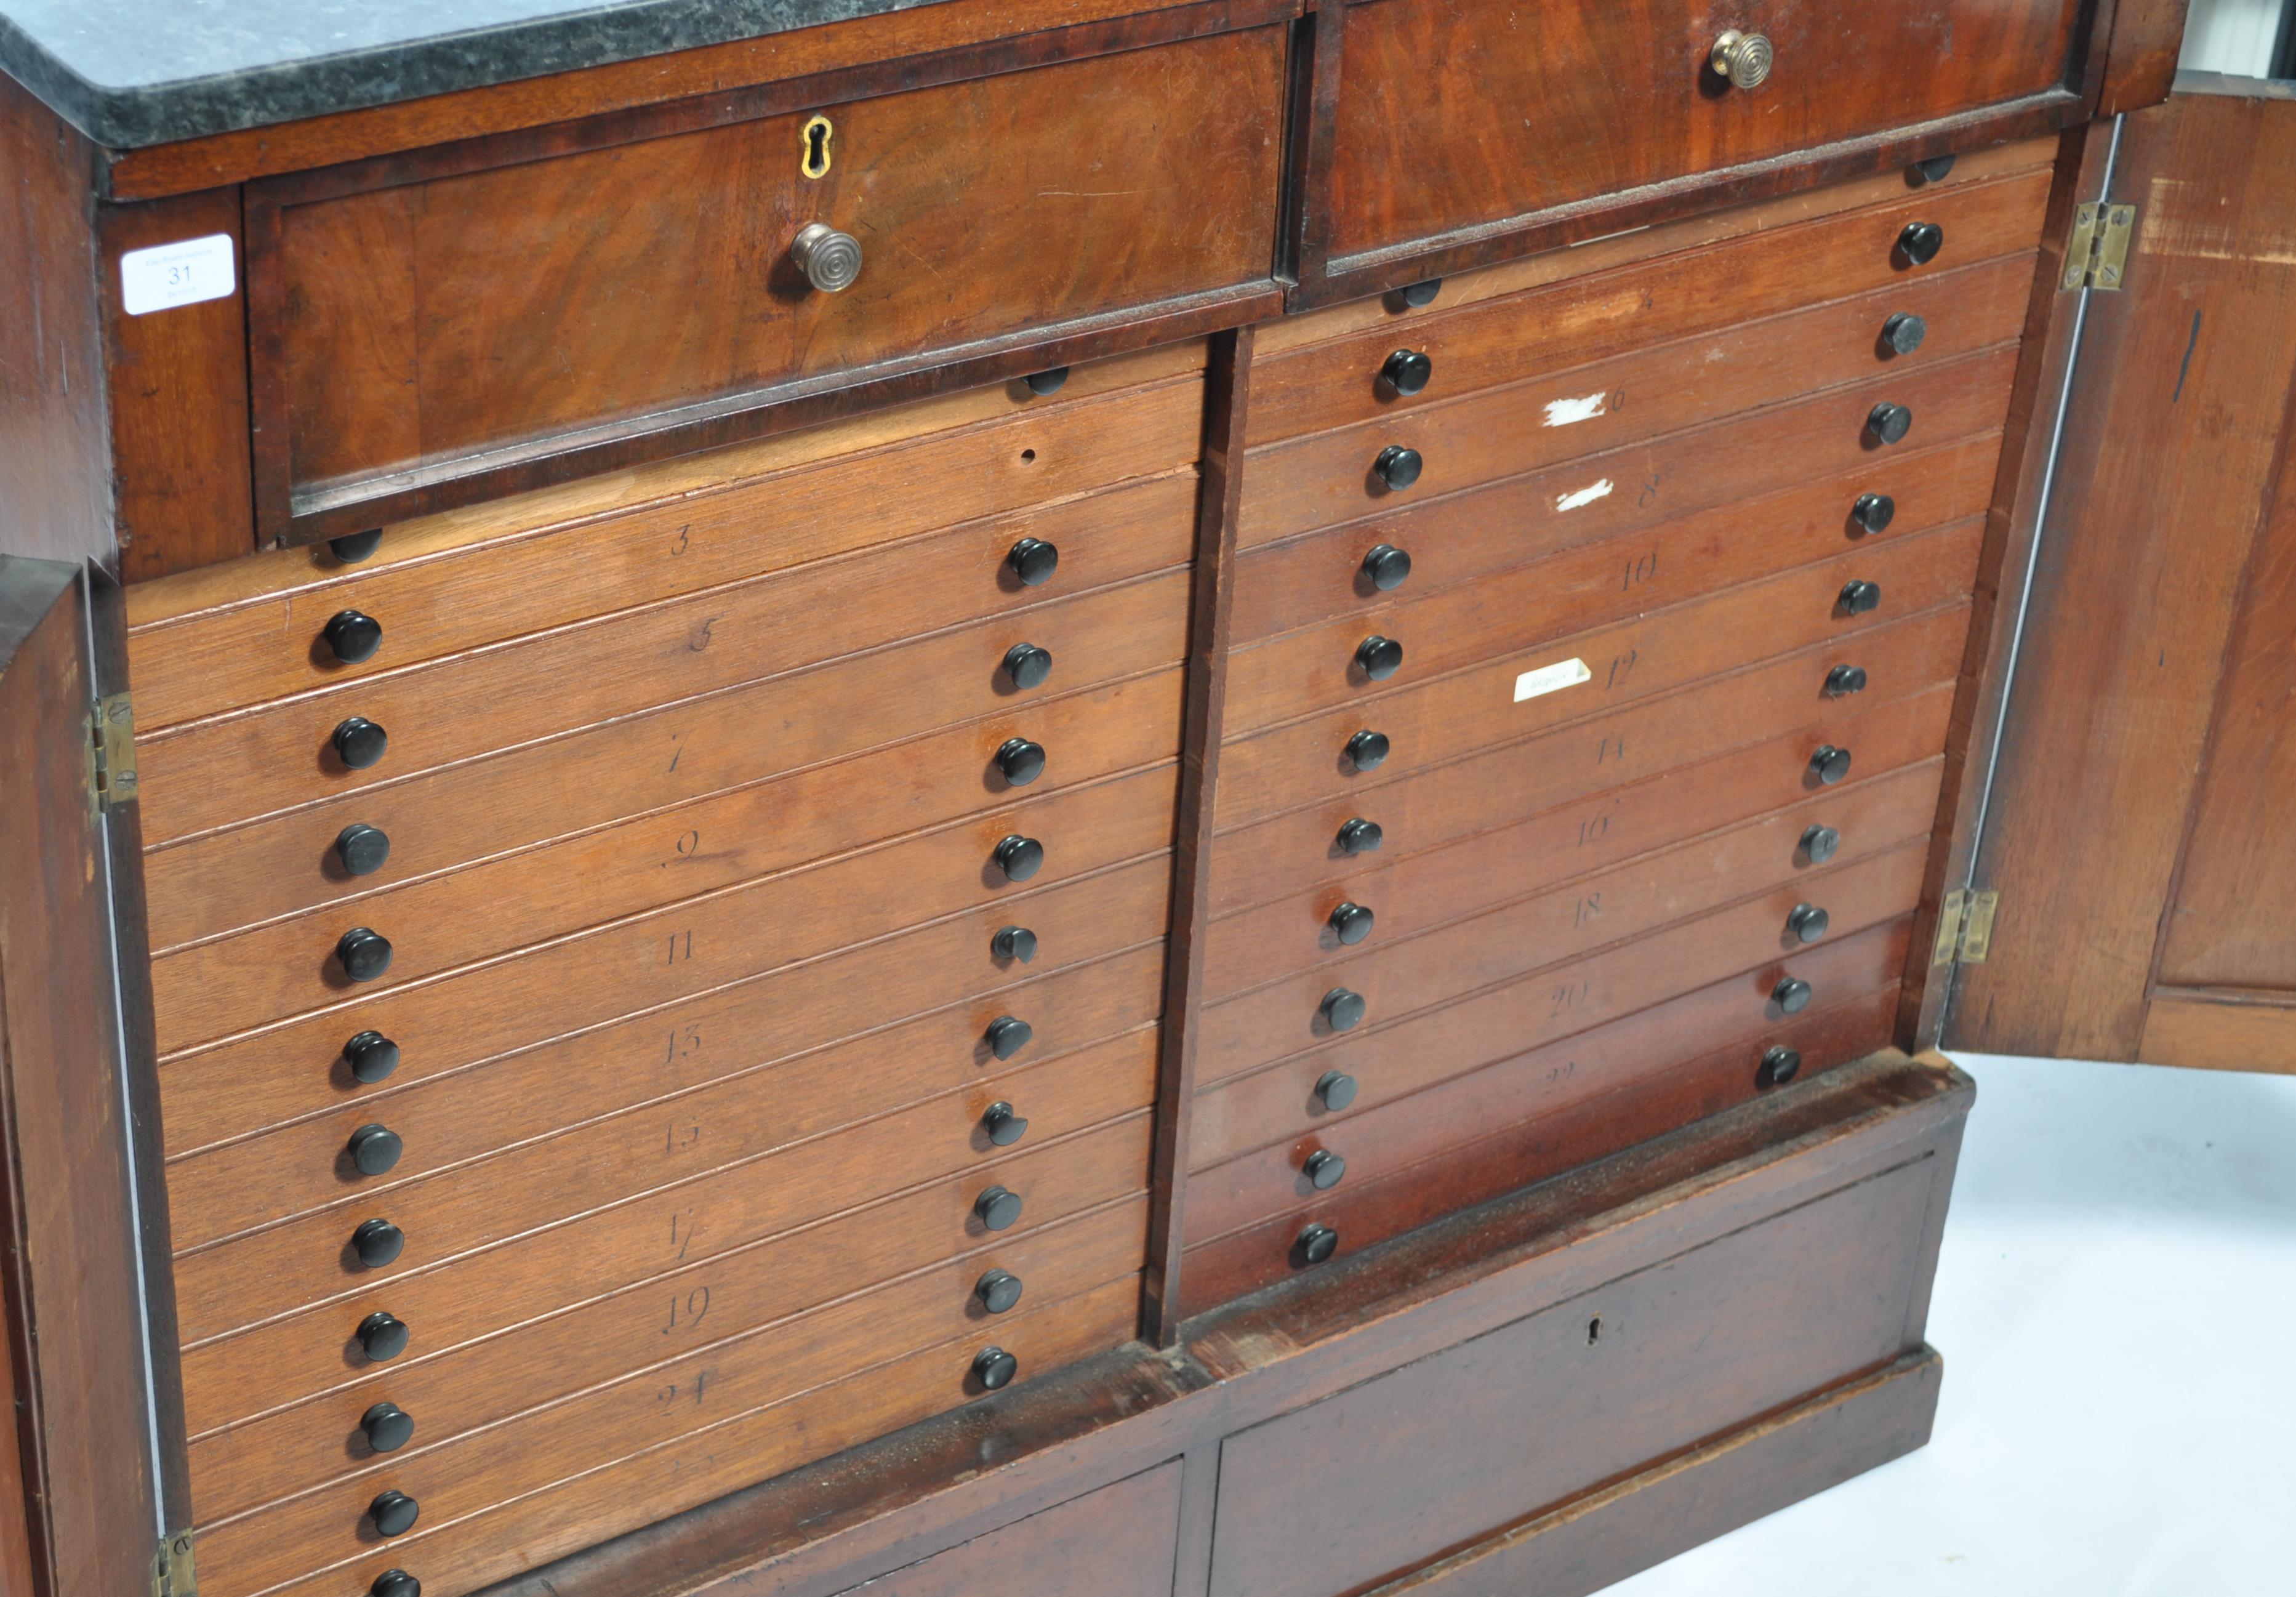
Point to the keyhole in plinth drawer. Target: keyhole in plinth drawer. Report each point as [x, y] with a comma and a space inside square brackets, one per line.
[1594, 1331]
[817, 134]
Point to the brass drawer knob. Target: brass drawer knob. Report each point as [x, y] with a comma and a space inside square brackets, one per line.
[1744, 59]
[831, 260]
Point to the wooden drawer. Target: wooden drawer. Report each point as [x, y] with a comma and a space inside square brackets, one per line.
[1741, 747]
[1672, 830]
[627, 1260]
[1653, 567]
[1447, 1120]
[1583, 98]
[738, 1126]
[487, 911]
[819, 1335]
[727, 1447]
[1304, 761]
[1546, 1146]
[613, 995]
[256, 763]
[446, 1121]
[421, 323]
[1633, 1368]
[1624, 908]
[993, 466]
[660, 762]
[1487, 343]
[1500, 1034]
[1327, 478]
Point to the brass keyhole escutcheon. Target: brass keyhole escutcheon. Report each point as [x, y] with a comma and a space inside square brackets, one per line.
[815, 141]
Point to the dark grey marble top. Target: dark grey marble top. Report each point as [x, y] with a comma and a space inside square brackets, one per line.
[136, 72]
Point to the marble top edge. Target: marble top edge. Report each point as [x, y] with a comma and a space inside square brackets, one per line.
[132, 73]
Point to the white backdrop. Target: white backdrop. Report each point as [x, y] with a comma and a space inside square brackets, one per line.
[2116, 1302]
[2232, 36]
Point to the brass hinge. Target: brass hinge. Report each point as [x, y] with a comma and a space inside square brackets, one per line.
[2098, 255]
[1965, 932]
[172, 1574]
[112, 751]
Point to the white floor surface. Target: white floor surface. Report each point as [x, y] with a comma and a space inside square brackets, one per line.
[2116, 1305]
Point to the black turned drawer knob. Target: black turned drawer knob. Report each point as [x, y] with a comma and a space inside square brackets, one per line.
[375, 1149]
[1317, 1243]
[1343, 1008]
[394, 1513]
[1419, 296]
[1830, 764]
[1937, 168]
[353, 636]
[1904, 332]
[1045, 384]
[1397, 466]
[1008, 1035]
[1022, 761]
[1861, 597]
[994, 1368]
[1921, 242]
[1889, 422]
[365, 953]
[1743, 60]
[1360, 836]
[1033, 561]
[1807, 923]
[1875, 510]
[352, 548]
[1821, 844]
[1323, 1169]
[360, 744]
[1004, 1126]
[1020, 857]
[1792, 995]
[388, 1427]
[1380, 658]
[1407, 371]
[999, 1207]
[1843, 680]
[1028, 665]
[1335, 1090]
[831, 260]
[364, 850]
[382, 1336]
[1366, 750]
[1779, 1066]
[371, 1056]
[1014, 943]
[1387, 567]
[998, 1290]
[377, 1243]
[1352, 923]
[395, 1583]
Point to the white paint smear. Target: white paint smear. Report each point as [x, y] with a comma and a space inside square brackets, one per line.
[1585, 496]
[1565, 412]
[1551, 678]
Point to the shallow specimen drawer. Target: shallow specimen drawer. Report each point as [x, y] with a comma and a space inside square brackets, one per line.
[431, 322]
[1566, 103]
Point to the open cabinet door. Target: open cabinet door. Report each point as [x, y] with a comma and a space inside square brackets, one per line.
[2135, 850]
[89, 1469]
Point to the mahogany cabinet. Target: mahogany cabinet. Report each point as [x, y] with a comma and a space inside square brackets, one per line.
[1020, 796]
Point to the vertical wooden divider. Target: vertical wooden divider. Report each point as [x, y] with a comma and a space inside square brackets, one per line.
[1227, 393]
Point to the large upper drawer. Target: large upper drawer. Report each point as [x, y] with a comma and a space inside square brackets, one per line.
[434, 330]
[1458, 115]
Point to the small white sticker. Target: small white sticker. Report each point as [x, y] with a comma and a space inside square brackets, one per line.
[167, 275]
[1566, 413]
[1551, 678]
[1585, 496]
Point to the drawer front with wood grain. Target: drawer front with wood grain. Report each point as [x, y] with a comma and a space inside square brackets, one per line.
[1571, 102]
[414, 330]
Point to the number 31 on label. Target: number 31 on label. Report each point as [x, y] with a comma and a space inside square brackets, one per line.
[166, 276]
